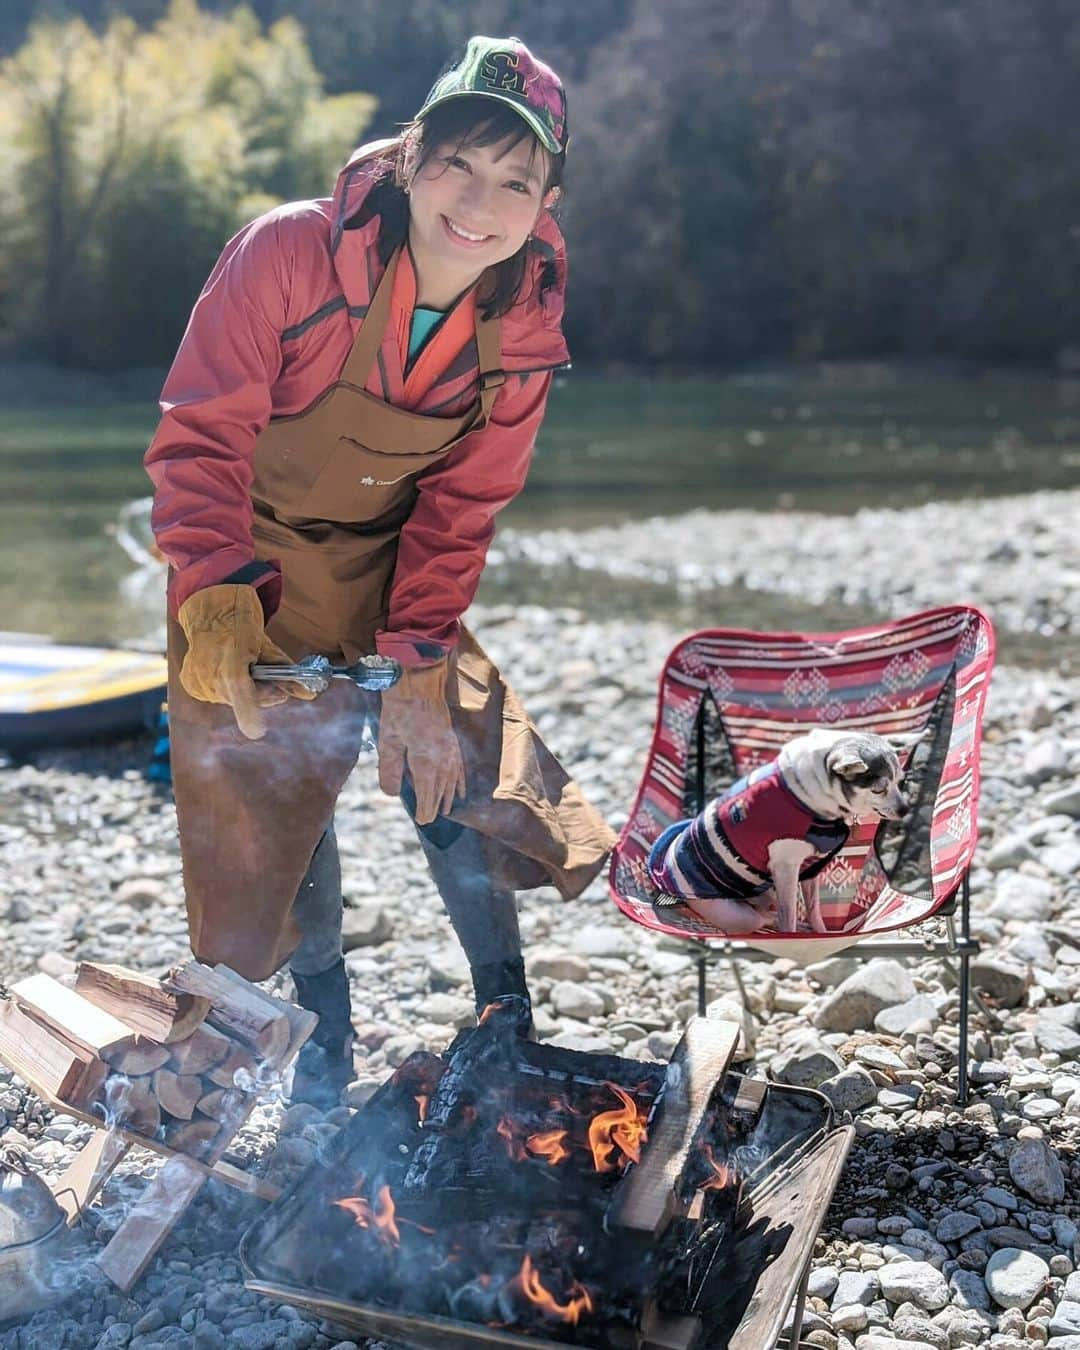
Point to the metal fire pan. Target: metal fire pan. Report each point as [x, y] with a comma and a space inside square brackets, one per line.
[789, 1208]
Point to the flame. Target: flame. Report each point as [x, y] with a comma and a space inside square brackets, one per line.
[422, 1100]
[505, 1130]
[723, 1175]
[549, 1145]
[612, 1132]
[580, 1300]
[381, 1219]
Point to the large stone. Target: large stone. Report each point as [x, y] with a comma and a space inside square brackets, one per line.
[1024, 898]
[806, 1064]
[603, 940]
[832, 971]
[894, 1021]
[1034, 1167]
[1062, 1040]
[1066, 1319]
[856, 1286]
[853, 1004]
[450, 1010]
[968, 1290]
[1015, 1278]
[554, 964]
[914, 1282]
[1045, 759]
[365, 926]
[577, 1000]
[851, 1090]
[1066, 801]
[1005, 981]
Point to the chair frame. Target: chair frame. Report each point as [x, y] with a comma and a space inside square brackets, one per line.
[955, 950]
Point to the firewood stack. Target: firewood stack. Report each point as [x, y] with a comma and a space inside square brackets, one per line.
[172, 1060]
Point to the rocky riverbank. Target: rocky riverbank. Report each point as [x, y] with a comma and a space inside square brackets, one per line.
[950, 1228]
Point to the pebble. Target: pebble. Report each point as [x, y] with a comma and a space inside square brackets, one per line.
[965, 1184]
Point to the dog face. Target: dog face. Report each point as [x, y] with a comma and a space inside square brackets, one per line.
[865, 769]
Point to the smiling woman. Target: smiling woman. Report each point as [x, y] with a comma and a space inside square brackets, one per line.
[356, 397]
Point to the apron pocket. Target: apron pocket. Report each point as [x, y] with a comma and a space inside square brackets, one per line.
[358, 485]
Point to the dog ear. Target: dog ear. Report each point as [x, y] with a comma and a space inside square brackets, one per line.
[846, 763]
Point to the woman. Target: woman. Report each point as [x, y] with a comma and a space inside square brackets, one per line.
[356, 397]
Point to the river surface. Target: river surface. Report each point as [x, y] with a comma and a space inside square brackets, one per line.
[73, 508]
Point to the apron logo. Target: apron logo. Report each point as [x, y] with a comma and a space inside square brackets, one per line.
[367, 481]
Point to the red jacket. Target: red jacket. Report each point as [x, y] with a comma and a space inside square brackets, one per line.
[270, 331]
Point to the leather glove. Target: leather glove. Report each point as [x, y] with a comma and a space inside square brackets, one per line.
[224, 630]
[415, 732]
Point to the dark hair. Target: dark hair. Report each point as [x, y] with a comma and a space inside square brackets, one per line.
[462, 122]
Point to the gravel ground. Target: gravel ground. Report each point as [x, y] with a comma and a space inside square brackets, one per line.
[950, 1228]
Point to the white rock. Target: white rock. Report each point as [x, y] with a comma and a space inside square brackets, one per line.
[577, 1000]
[914, 1282]
[1015, 1278]
[853, 1004]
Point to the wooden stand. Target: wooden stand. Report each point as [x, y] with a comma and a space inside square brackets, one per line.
[144, 1229]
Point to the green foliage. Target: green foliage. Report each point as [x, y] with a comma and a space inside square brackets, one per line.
[129, 156]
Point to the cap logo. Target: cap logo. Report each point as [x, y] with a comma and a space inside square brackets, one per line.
[499, 71]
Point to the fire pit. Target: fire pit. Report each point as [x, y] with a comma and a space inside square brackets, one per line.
[513, 1194]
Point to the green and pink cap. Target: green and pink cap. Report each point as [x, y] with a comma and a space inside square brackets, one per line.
[505, 70]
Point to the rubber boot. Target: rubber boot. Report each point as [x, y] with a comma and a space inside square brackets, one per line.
[498, 980]
[324, 1066]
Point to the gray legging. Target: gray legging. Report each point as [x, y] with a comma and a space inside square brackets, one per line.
[484, 916]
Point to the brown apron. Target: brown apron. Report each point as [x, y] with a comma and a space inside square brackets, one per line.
[332, 488]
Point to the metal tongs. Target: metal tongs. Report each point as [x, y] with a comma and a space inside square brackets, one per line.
[316, 672]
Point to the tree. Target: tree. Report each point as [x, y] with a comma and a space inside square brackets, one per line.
[134, 154]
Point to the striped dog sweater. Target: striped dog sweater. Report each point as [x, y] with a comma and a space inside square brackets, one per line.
[724, 851]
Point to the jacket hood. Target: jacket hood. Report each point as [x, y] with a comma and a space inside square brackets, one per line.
[531, 330]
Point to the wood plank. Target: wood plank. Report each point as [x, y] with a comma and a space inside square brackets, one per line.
[645, 1198]
[200, 1051]
[302, 1022]
[41, 1058]
[136, 1242]
[237, 1008]
[245, 1181]
[75, 1018]
[74, 1189]
[141, 1001]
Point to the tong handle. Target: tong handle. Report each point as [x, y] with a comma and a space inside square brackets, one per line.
[316, 672]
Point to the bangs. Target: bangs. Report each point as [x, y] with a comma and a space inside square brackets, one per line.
[476, 121]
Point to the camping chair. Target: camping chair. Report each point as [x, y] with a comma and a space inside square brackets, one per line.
[729, 699]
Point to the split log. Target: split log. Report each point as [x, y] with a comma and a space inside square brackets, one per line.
[220, 1103]
[177, 1093]
[46, 1062]
[236, 1008]
[645, 1198]
[194, 1138]
[139, 1057]
[133, 1104]
[237, 1061]
[80, 1022]
[302, 1021]
[141, 1001]
[200, 1051]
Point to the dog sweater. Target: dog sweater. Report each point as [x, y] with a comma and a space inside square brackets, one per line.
[724, 851]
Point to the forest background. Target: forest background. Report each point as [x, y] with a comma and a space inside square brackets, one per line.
[752, 180]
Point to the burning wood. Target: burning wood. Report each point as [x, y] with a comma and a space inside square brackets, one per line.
[380, 1218]
[578, 1299]
[616, 1132]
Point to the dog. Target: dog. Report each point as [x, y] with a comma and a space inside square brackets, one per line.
[741, 862]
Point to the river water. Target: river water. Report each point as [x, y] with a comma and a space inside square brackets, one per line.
[73, 507]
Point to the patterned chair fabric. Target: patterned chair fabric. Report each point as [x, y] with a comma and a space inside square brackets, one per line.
[730, 699]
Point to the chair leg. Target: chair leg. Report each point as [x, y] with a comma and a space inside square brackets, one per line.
[964, 991]
[702, 989]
